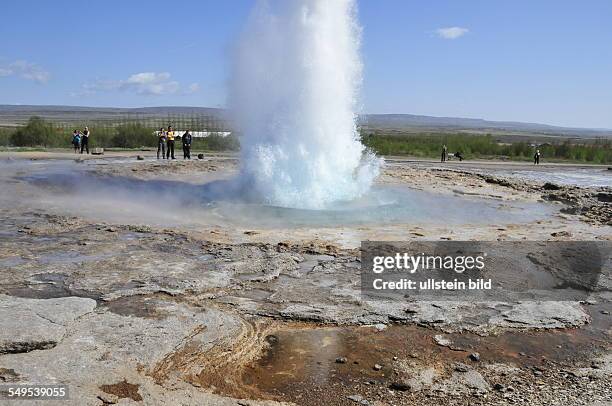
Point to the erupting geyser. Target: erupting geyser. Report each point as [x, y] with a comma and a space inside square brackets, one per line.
[294, 91]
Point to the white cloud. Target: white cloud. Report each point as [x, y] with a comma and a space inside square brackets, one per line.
[144, 83]
[451, 32]
[25, 70]
[150, 83]
[193, 88]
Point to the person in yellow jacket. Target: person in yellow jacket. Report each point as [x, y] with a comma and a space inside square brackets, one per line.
[170, 143]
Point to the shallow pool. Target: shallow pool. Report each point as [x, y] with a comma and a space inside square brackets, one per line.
[70, 189]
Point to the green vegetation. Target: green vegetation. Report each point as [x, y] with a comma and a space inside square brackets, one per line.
[133, 135]
[5, 137]
[129, 134]
[485, 146]
[133, 132]
[36, 133]
[215, 142]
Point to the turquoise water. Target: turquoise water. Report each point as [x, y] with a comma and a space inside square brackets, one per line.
[69, 188]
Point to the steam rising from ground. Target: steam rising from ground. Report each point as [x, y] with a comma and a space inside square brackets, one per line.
[294, 91]
[84, 190]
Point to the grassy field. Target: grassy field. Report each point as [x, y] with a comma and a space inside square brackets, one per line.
[486, 146]
[133, 134]
[40, 133]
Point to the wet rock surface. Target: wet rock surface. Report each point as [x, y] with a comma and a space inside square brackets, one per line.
[593, 204]
[135, 314]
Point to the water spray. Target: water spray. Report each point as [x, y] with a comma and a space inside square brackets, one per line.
[294, 94]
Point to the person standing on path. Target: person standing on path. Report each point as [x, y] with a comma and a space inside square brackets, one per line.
[170, 142]
[444, 153]
[161, 143]
[85, 140]
[76, 140]
[536, 157]
[187, 145]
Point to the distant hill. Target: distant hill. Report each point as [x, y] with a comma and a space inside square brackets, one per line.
[12, 115]
[411, 121]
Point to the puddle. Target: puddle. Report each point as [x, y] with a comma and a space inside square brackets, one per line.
[69, 257]
[123, 390]
[148, 307]
[299, 362]
[8, 234]
[46, 286]
[257, 294]
[576, 177]
[12, 261]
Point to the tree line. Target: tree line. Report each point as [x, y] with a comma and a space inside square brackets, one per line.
[486, 146]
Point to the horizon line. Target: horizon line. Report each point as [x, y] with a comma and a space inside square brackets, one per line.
[558, 126]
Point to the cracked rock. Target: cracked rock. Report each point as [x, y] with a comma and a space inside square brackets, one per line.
[37, 324]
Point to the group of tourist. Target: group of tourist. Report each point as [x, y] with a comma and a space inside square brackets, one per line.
[445, 155]
[80, 140]
[165, 143]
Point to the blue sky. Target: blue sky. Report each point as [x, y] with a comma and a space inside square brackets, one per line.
[547, 61]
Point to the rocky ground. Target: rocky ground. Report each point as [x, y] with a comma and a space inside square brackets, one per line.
[130, 313]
